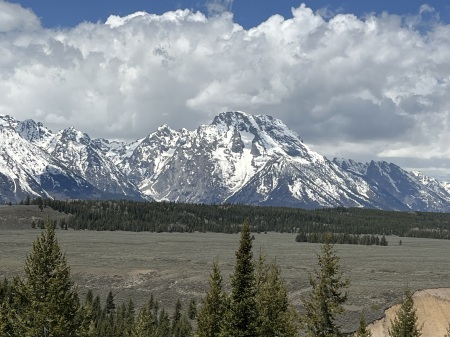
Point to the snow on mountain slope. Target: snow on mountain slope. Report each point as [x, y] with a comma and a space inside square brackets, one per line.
[67, 164]
[143, 161]
[412, 190]
[243, 158]
[76, 150]
[238, 158]
[28, 170]
[440, 188]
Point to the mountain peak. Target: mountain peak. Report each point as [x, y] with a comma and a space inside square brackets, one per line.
[7, 120]
[74, 135]
[238, 119]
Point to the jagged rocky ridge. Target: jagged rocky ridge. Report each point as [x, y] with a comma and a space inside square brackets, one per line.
[65, 165]
[238, 158]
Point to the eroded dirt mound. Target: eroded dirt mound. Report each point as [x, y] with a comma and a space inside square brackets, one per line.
[433, 311]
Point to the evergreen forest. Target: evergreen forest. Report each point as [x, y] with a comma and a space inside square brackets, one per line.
[358, 225]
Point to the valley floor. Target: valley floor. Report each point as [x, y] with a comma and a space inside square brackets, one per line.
[177, 265]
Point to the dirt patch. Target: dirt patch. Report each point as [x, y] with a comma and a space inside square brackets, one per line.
[433, 312]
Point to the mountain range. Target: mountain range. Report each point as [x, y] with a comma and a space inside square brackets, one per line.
[238, 158]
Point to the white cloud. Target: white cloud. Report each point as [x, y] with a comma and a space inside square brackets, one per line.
[15, 18]
[381, 82]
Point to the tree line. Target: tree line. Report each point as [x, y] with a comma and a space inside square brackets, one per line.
[45, 302]
[342, 238]
[181, 217]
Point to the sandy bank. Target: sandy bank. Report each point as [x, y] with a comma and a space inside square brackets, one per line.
[433, 311]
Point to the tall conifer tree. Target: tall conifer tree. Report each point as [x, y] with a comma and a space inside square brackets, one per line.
[241, 317]
[142, 326]
[210, 316]
[327, 296]
[47, 298]
[276, 317]
[6, 308]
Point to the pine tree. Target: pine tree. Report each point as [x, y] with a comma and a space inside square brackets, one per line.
[210, 316]
[327, 297]
[6, 299]
[141, 326]
[6, 324]
[362, 328]
[241, 317]
[383, 241]
[192, 310]
[176, 315]
[110, 306]
[146, 323]
[129, 317]
[164, 329]
[276, 317]
[405, 322]
[183, 327]
[89, 322]
[47, 299]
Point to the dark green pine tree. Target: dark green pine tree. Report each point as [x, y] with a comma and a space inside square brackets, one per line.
[176, 315]
[327, 296]
[210, 315]
[129, 318]
[405, 323]
[276, 317]
[164, 328]
[110, 306]
[48, 303]
[192, 310]
[6, 320]
[241, 316]
[183, 327]
[6, 309]
[363, 331]
[90, 318]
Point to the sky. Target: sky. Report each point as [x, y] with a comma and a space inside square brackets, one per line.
[366, 80]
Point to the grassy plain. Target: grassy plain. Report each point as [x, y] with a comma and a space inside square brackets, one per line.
[176, 265]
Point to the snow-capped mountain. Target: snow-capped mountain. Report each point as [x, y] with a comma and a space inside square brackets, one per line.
[408, 190]
[36, 162]
[25, 169]
[238, 158]
[77, 151]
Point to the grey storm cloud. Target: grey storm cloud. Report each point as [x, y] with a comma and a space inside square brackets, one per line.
[373, 87]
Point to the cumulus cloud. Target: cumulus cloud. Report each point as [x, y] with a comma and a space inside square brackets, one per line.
[15, 18]
[361, 88]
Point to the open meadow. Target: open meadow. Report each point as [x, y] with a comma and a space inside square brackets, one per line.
[177, 265]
